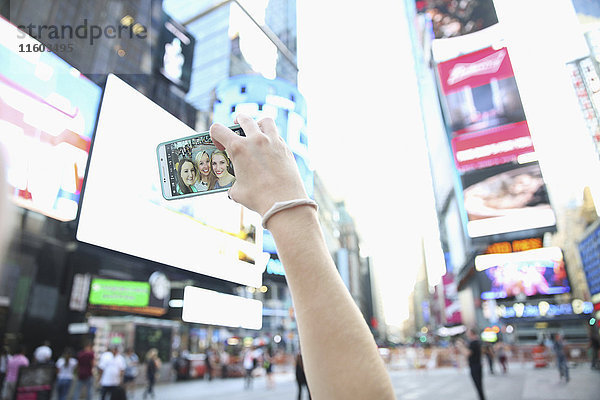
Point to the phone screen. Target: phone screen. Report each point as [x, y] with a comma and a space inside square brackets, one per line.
[196, 166]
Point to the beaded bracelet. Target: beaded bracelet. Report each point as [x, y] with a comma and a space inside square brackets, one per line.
[284, 205]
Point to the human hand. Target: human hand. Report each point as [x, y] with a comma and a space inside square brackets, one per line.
[265, 168]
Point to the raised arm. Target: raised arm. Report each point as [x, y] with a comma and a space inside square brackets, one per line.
[340, 356]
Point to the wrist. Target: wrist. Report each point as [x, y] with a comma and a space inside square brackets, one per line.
[287, 219]
[281, 206]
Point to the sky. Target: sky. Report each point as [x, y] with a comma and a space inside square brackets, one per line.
[366, 135]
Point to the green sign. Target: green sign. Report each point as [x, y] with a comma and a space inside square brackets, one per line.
[109, 292]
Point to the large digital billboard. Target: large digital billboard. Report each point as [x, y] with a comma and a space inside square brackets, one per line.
[501, 182]
[506, 198]
[484, 109]
[530, 273]
[47, 116]
[589, 249]
[123, 208]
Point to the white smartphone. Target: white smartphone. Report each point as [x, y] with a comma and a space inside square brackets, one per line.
[192, 166]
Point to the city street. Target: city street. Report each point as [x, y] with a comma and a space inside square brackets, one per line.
[522, 382]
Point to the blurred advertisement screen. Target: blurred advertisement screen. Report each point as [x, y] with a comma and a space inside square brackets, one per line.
[450, 18]
[483, 109]
[506, 198]
[589, 249]
[47, 115]
[123, 208]
[531, 273]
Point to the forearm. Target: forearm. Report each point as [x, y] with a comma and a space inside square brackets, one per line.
[339, 352]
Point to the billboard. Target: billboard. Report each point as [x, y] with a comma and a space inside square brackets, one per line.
[483, 109]
[206, 234]
[501, 183]
[455, 18]
[530, 273]
[175, 53]
[110, 292]
[589, 249]
[47, 116]
[506, 198]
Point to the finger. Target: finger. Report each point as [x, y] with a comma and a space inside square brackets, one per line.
[248, 124]
[222, 136]
[268, 127]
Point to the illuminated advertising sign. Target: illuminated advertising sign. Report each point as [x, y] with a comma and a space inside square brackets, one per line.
[484, 109]
[452, 303]
[451, 18]
[530, 273]
[110, 292]
[260, 97]
[134, 297]
[585, 80]
[207, 234]
[47, 116]
[506, 198]
[589, 248]
[515, 245]
[545, 309]
[175, 53]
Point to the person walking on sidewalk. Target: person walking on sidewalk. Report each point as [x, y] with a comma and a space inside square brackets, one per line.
[301, 377]
[473, 353]
[152, 368]
[561, 356]
[111, 368]
[502, 351]
[65, 365]
[15, 362]
[85, 376]
[132, 362]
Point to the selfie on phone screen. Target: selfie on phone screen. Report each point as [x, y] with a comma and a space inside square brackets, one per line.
[194, 165]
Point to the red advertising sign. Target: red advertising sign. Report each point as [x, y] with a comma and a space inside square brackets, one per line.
[452, 309]
[491, 147]
[484, 109]
[475, 69]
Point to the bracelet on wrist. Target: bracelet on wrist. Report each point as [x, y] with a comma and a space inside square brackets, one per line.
[284, 205]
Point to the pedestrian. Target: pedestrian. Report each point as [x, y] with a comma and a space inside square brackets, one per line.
[594, 347]
[561, 356]
[85, 376]
[301, 377]
[16, 361]
[502, 351]
[268, 366]
[65, 366]
[473, 352]
[4, 356]
[208, 362]
[43, 353]
[153, 365]
[132, 363]
[111, 368]
[489, 354]
[224, 360]
[249, 363]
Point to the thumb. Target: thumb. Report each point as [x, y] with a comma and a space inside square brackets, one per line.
[221, 136]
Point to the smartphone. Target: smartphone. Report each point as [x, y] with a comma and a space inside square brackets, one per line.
[193, 166]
